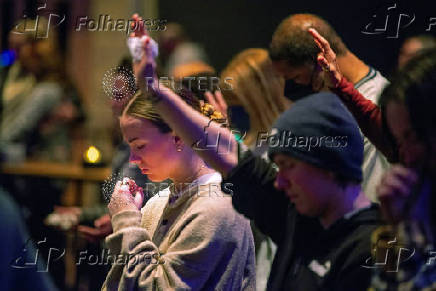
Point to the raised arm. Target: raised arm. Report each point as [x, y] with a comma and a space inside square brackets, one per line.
[367, 114]
[213, 143]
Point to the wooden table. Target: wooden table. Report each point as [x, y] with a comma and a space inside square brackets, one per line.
[71, 172]
[77, 175]
[56, 171]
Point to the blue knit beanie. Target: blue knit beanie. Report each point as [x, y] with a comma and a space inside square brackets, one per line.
[319, 130]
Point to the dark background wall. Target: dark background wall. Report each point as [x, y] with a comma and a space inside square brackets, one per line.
[227, 27]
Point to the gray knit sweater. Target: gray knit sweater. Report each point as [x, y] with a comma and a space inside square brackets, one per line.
[192, 241]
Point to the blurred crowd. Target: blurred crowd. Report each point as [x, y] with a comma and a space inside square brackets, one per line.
[379, 190]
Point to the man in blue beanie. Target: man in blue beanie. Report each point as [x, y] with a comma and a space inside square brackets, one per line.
[313, 207]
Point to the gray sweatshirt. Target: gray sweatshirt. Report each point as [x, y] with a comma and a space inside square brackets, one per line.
[192, 240]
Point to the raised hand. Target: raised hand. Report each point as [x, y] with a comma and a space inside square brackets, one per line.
[138, 26]
[327, 60]
[144, 66]
[103, 228]
[394, 189]
[216, 99]
[137, 191]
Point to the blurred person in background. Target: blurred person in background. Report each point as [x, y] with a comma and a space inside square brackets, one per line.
[41, 109]
[414, 45]
[21, 264]
[41, 113]
[40, 105]
[198, 77]
[256, 97]
[175, 49]
[258, 89]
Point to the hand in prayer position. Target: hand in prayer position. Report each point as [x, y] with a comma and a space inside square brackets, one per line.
[126, 196]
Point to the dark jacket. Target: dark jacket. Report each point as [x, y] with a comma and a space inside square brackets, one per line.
[308, 257]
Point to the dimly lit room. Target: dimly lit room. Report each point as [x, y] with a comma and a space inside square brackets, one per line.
[217, 145]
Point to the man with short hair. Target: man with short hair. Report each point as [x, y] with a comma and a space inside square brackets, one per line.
[294, 54]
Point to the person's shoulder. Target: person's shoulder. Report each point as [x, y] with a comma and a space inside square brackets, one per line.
[156, 202]
[372, 85]
[369, 216]
[48, 90]
[48, 85]
[214, 206]
[248, 162]
[211, 200]
[363, 223]
[7, 205]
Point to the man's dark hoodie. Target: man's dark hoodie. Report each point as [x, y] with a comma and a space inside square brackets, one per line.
[309, 257]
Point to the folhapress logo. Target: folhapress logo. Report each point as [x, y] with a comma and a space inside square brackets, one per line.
[390, 20]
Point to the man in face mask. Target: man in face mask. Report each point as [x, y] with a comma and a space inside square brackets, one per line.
[295, 91]
[294, 52]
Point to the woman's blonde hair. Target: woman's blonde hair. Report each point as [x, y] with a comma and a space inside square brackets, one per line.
[257, 88]
[141, 107]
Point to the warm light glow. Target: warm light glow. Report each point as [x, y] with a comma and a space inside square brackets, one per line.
[92, 155]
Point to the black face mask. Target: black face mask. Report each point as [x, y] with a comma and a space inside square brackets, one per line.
[294, 91]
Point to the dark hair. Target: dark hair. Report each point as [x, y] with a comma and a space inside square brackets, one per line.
[427, 41]
[415, 87]
[292, 42]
